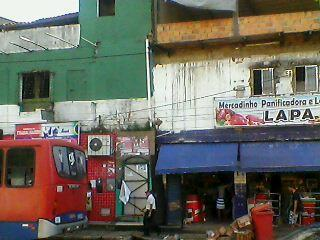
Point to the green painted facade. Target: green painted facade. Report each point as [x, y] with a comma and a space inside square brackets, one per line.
[116, 69]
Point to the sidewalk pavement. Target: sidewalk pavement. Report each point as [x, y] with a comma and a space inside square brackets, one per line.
[302, 233]
[105, 233]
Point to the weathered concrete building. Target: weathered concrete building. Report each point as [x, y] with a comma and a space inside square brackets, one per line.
[77, 67]
[88, 71]
[210, 57]
[236, 93]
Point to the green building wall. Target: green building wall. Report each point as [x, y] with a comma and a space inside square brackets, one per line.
[116, 69]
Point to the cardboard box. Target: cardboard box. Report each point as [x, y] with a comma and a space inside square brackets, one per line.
[243, 221]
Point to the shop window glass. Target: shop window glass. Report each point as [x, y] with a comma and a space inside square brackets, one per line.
[306, 78]
[106, 7]
[61, 161]
[70, 163]
[263, 83]
[20, 167]
[81, 163]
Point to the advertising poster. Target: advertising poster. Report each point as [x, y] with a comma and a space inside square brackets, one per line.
[131, 146]
[28, 131]
[267, 111]
[67, 131]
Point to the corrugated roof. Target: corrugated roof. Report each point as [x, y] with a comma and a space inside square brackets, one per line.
[67, 19]
[5, 21]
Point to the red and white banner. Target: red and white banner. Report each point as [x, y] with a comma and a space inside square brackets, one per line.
[28, 131]
[267, 111]
[67, 131]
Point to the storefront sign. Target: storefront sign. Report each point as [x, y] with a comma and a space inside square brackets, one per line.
[28, 131]
[267, 111]
[240, 178]
[67, 131]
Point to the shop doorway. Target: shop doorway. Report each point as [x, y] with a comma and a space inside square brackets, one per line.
[273, 188]
[136, 176]
[211, 194]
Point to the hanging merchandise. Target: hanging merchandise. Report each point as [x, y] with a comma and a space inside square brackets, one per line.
[223, 5]
[124, 193]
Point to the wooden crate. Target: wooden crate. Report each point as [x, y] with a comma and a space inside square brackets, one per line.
[245, 235]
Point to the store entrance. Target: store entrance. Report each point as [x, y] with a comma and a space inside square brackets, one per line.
[211, 194]
[273, 188]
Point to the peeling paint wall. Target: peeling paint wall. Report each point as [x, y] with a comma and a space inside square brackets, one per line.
[114, 114]
[87, 82]
[70, 33]
[186, 90]
[11, 115]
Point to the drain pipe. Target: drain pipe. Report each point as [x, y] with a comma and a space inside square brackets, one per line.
[148, 80]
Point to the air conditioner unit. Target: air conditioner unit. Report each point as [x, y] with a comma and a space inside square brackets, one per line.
[99, 145]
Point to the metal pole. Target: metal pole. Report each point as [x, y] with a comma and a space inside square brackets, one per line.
[62, 40]
[20, 46]
[88, 41]
[148, 80]
[236, 31]
[30, 41]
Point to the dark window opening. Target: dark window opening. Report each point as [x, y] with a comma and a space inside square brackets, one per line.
[263, 81]
[107, 8]
[20, 167]
[1, 164]
[35, 85]
[28, 87]
[257, 84]
[70, 163]
[306, 79]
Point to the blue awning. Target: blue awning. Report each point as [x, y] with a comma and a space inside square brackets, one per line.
[198, 157]
[280, 156]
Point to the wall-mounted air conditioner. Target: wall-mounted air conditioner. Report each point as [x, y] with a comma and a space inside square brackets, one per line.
[99, 145]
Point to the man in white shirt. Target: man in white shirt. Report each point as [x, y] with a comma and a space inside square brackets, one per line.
[150, 210]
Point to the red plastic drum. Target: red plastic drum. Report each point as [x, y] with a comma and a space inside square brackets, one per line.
[194, 205]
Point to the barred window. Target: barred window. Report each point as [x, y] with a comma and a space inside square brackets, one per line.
[35, 85]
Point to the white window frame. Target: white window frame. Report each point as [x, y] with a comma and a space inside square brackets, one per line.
[272, 77]
[305, 67]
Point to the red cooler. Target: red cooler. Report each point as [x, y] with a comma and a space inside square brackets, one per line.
[308, 216]
[262, 217]
[194, 205]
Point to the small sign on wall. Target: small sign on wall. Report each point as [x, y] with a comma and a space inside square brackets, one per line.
[133, 146]
[67, 131]
[240, 178]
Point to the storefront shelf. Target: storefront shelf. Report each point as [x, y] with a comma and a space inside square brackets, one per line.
[310, 215]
